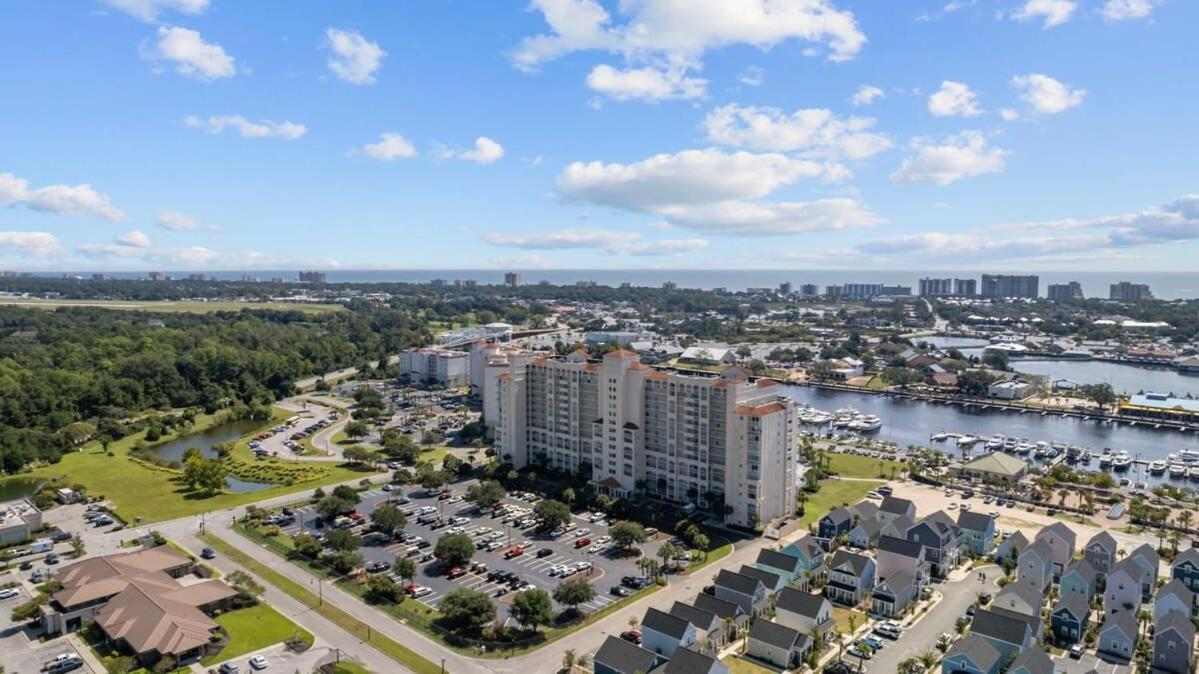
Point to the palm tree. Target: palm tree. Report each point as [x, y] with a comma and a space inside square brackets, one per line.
[1184, 519]
[568, 660]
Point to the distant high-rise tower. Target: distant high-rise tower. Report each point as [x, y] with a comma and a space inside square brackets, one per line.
[1125, 291]
[312, 277]
[1008, 285]
[936, 287]
[513, 279]
[965, 287]
[1064, 292]
[785, 288]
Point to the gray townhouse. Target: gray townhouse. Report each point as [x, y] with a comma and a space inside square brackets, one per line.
[850, 578]
[938, 533]
[744, 591]
[1100, 551]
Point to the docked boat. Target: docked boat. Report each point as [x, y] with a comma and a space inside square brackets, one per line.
[1185, 456]
[844, 417]
[867, 423]
[1157, 467]
[1177, 470]
[1086, 458]
[967, 440]
[1024, 448]
[1105, 461]
[995, 443]
[940, 437]
[1121, 461]
[1193, 473]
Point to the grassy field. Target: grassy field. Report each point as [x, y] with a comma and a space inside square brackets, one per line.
[153, 493]
[174, 307]
[738, 665]
[347, 667]
[385, 645]
[253, 628]
[832, 494]
[852, 465]
[842, 616]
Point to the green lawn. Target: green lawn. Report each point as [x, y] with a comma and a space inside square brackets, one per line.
[153, 493]
[739, 665]
[253, 628]
[347, 667]
[852, 465]
[841, 615]
[832, 494]
[175, 307]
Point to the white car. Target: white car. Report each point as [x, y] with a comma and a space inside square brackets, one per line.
[581, 533]
[596, 548]
[603, 539]
[557, 569]
[258, 662]
[421, 591]
[8, 593]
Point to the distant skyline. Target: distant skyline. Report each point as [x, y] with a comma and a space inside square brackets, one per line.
[982, 135]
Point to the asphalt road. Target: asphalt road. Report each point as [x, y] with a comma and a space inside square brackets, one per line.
[921, 637]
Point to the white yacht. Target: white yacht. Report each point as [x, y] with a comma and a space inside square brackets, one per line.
[867, 423]
[1177, 470]
[967, 440]
[1121, 461]
[1185, 456]
[1157, 467]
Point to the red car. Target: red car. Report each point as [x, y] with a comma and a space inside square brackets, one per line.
[455, 572]
[582, 542]
[514, 551]
[633, 636]
[410, 588]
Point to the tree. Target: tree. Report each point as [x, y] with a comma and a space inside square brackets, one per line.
[574, 592]
[627, 534]
[245, 583]
[357, 429]
[203, 474]
[532, 609]
[431, 478]
[405, 568]
[568, 496]
[552, 514]
[343, 540]
[668, 552]
[388, 519]
[381, 588]
[454, 549]
[307, 546]
[466, 610]
[336, 504]
[357, 454]
[486, 494]
[702, 543]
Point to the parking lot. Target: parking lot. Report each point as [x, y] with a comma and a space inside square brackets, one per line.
[22, 653]
[1087, 664]
[541, 553]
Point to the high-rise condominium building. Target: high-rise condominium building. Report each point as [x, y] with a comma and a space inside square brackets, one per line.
[1007, 285]
[809, 290]
[965, 287]
[1125, 291]
[312, 277]
[785, 288]
[1064, 292]
[861, 291]
[513, 279]
[448, 368]
[936, 287]
[702, 440]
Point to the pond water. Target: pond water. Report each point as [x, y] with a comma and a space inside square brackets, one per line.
[19, 487]
[205, 441]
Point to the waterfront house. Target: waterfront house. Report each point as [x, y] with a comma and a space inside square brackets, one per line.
[1100, 551]
[1032, 660]
[938, 533]
[977, 531]
[1173, 644]
[1070, 618]
[1008, 632]
[773, 581]
[1185, 567]
[710, 629]
[690, 662]
[1123, 589]
[993, 468]
[850, 577]
[1081, 578]
[1060, 539]
[662, 633]
[789, 568]
[744, 591]
[804, 612]
[972, 655]
[1174, 596]
[838, 521]
[1011, 547]
[1148, 561]
[897, 527]
[777, 644]
[1118, 634]
[617, 656]
[1019, 598]
[729, 613]
[865, 533]
[893, 593]
[893, 508]
[1035, 567]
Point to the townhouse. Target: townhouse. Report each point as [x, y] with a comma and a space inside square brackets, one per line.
[1060, 540]
[1035, 567]
[662, 633]
[850, 577]
[1174, 644]
[804, 612]
[1100, 551]
[977, 532]
[1070, 618]
[1174, 596]
[938, 533]
[747, 593]
[1118, 634]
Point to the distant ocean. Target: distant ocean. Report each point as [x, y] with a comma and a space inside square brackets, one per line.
[1165, 285]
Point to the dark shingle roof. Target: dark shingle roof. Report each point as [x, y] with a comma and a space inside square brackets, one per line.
[803, 603]
[623, 656]
[896, 506]
[664, 623]
[968, 519]
[897, 582]
[978, 649]
[838, 515]
[843, 558]
[900, 546]
[899, 525]
[779, 636]
[1105, 539]
[1058, 529]
[1180, 623]
[1191, 554]
[737, 582]
[1075, 603]
[723, 609]
[768, 578]
[1033, 660]
[701, 618]
[1002, 626]
[1177, 587]
[686, 661]
[777, 560]
[941, 521]
[1084, 569]
[865, 510]
[1016, 596]
[1122, 619]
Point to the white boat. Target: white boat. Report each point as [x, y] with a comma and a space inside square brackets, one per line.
[1193, 473]
[967, 440]
[1185, 456]
[995, 443]
[1121, 461]
[940, 437]
[867, 423]
[1157, 467]
[1024, 448]
[1105, 461]
[1177, 470]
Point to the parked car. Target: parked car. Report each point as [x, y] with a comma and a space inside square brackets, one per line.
[229, 668]
[545, 552]
[582, 542]
[258, 662]
[632, 636]
[8, 593]
[1076, 651]
[620, 591]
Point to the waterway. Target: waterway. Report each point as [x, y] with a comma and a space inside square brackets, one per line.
[205, 441]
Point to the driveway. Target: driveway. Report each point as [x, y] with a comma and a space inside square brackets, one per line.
[1088, 663]
[921, 637]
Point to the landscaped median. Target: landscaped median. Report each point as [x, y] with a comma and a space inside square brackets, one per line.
[349, 623]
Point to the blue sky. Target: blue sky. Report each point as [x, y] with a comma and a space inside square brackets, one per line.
[212, 134]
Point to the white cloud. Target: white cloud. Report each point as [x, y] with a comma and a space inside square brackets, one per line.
[1047, 95]
[355, 59]
[751, 218]
[192, 56]
[753, 76]
[179, 222]
[390, 146]
[961, 156]
[245, 128]
[148, 10]
[815, 129]
[133, 243]
[867, 94]
[486, 151]
[954, 99]
[134, 238]
[1009, 115]
[648, 84]
[613, 242]
[15, 191]
[30, 244]
[1123, 10]
[1050, 12]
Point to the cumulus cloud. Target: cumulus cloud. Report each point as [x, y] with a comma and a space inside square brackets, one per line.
[959, 156]
[149, 10]
[30, 244]
[954, 99]
[134, 238]
[190, 54]
[753, 218]
[1009, 114]
[15, 191]
[133, 243]
[613, 242]
[753, 76]
[179, 222]
[1047, 95]
[867, 94]
[245, 128]
[1124, 10]
[486, 151]
[1050, 12]
[355, 59]
[816, 130]
[647, 84]
[391, 146]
